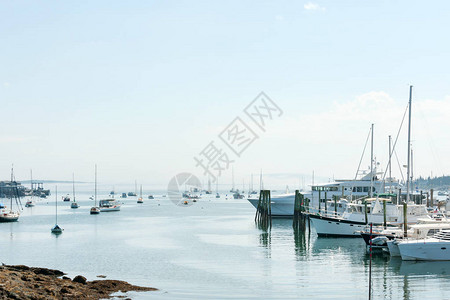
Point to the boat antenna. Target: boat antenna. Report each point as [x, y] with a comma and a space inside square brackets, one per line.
[408, 180]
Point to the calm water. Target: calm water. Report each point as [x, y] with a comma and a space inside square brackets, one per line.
[210, 250]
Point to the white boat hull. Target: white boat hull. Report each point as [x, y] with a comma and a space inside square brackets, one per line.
[425, 250]
[8, 216]
[108, 209]
[393, 248]
[328, 227]
[281, 206]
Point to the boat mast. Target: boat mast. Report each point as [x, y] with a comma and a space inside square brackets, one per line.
[371, 164]
[73, 186]
[95, 192]
[11, 193]
[141, 191]
[31, 182]
[232, 178]
[390, 169]
[260, 181]
[409, 146]
[56, 203]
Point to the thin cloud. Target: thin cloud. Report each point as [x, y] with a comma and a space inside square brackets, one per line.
[313, 6]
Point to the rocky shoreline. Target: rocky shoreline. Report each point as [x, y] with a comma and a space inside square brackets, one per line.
[22, 282]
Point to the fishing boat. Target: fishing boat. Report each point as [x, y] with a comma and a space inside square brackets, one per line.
[74, 204]
[107, 205]
[56, 229]
[95, 210]
[66, 198]
[140, 199]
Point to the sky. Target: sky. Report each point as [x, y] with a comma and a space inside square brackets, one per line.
[140, 88]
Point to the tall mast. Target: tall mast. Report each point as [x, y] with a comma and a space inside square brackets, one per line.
[56, 201]
[371, 163]
[412, 170]
[409, 146]
[95, 193]
[31, 181]
[12, 191]
[232, 177]
[390, 169]
[260, 181]
[73, 186]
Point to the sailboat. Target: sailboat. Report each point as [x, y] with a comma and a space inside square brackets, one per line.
[8, 215]
[140, 200]
[30, 202]
[56, 229]
[217, 188]
[95, 210]
[74, 204]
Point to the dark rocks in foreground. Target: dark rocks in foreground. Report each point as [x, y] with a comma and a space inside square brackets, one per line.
[22, 282]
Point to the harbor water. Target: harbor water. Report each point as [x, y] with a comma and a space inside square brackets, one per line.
[208, 250]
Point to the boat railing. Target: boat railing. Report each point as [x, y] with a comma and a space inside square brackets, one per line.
[323, 213]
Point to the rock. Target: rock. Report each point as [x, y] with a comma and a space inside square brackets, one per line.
[79, 279]
[22, 282]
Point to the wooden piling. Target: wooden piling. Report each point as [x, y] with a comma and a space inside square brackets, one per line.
[263, 217]
[405, 219]
[365, 211]
[299, 211]
[319, 200]
[431, 198]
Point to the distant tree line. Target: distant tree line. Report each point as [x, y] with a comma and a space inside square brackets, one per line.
[438, 183]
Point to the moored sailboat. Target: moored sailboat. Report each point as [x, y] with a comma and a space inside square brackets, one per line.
[8, 214]
[56, 229]
[95, 210]
[140, 199]
[74, 204]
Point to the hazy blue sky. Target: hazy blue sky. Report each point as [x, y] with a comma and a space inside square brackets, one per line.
[141, 87]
